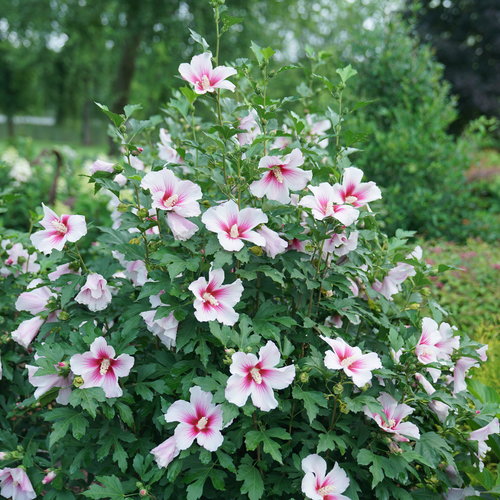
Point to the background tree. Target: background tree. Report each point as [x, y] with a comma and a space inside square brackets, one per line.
[466, 38]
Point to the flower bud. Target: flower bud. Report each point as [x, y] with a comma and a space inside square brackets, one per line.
[248, 349]
[304, 377]
[338, 388]
[425, 291]
[75, 265]
[143, 492]
[123, 129]
[63, 316]
[3, 455]
[135, 241]
[343, 408]
[142, 213]
[256, 250]
[394, 448]
[230, 352]
[117, 169]
[78, 381]
[122, 207]
[415, 306]
[51, 475]
[21, 260]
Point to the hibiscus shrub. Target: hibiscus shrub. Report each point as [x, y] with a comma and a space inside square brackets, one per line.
[243, 328]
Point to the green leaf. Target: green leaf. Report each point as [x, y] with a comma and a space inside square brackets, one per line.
[346, 73]
[130, 109]
[198, 39]
[110, 487]
[313, 400]
[253, 485]
[114, 117]
[366, 457]
[64, 419]
[125, 413]
[88, 399]
[189, 94]
[195, 490]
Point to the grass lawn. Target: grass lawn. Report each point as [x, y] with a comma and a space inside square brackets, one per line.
[470, 294]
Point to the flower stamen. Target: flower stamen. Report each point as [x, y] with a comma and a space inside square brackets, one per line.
[59, 226]
[234, 231]
[171, 201]
[255, 373]
[208, 297]
[351, 199]
[205, 82]
[202, 423]
[105, 364]
[325, 490]
[278, 174]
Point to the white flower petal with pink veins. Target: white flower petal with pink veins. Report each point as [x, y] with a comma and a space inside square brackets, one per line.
[15, 484]
[391, 422]
[435, 343]
[171, 194]
[99, 368]
[34, 301]
[233, 226]
[182, 228]
[481, 436]
[198, 419]
[282, 176]
[318, 485]
[165, 452]
[45, 383]
[356, 365]
[27, 331]
[274, 244]
[95, 294]
[257, 377]
[326, 202]
[354, 192]
[58, 230]
[204, 77]
[250, 125]
[215, 301]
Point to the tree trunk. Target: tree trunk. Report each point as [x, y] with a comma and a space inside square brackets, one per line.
[86, 139]
[10, 126]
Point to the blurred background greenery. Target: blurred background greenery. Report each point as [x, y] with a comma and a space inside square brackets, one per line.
[429, 72]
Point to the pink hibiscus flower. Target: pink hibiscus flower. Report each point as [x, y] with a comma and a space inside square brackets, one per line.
[44, 383]
[165, 150]
[15, 254]
[165, 452]
[204, 77]
[215, 301]
[340, 244]
[355, 364]
[15, 484]
[27, 331]
[393, 416]
[58, 230]
[318, 485]
[99, 367]
[171, 194]
[355, 192]
[199, 419]
[233, 225]
[435, 342]
[35, 300]
[250, 125]
[438, 407]
[317, 129]
[282, 176]
[391, 284]
[257, 377]
[326, 202]
[481, 436]
[95, 294]
[274, 244]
